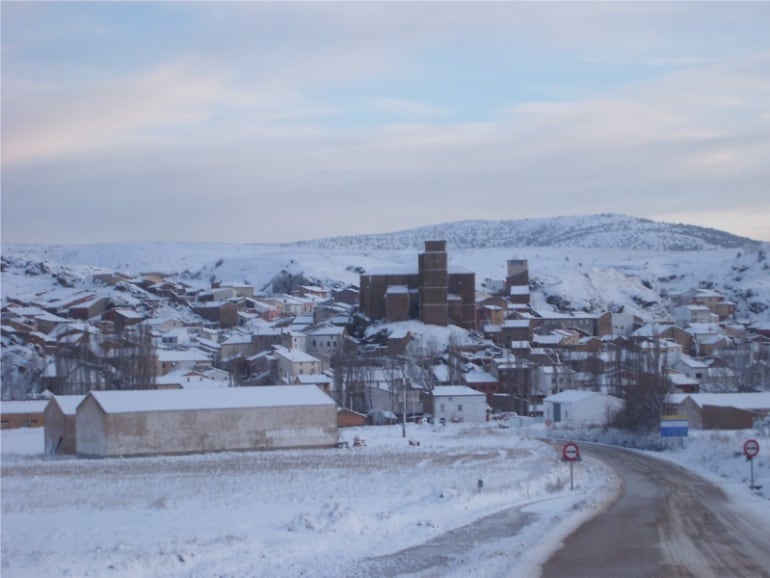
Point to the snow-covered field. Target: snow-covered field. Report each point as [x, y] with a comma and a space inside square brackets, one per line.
[319, 512]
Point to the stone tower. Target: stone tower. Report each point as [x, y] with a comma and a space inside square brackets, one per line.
[433, 284]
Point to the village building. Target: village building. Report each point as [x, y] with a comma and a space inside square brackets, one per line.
[686, 315]
[16, 414]
[581, 407]
[169, 360]
[158, 422]
[322, 381]
[238, 344]
[194, 379]
[60, 432]
[325, 340]
[546, 323]
[458, 403]
[482, 381]
[294, 362]
[122, 317]
[432, 294]
[350, 418]
[223, 312]
[721, 410]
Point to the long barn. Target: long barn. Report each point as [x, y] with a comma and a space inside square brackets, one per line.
[154, 422]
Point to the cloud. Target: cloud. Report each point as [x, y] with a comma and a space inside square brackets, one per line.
[148, 108]
[363, 117]
[406, 107]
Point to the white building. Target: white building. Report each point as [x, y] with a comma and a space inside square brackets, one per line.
[153, 422]
[458, 403]
[580, 407]
[294, 362]
[60, 414]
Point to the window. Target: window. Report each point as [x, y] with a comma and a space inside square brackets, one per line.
[459, 407]
[441, 407]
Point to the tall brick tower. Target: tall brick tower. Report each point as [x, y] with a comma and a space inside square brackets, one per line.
[433, 284]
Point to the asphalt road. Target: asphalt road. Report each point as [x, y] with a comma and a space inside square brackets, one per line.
[667, 522]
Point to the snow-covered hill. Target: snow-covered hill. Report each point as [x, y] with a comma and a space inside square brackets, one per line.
[605, 231]
[594, 264]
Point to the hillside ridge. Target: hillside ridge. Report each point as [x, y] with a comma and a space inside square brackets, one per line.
[602, 231]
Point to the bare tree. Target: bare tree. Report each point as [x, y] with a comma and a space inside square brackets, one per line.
[112, 360]
[454, 359]
[78, 370]
[646, 391]
[747, 366]
[130, 358]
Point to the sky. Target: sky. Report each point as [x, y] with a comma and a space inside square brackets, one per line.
[279, 121]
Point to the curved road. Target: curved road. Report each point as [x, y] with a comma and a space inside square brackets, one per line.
[667, 522]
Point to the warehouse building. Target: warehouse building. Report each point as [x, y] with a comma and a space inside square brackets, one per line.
[154, 422]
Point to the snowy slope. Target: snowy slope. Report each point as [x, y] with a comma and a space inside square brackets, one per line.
[607, 231]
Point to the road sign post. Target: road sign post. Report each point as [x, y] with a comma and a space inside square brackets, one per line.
[751, 450]
[571, 453]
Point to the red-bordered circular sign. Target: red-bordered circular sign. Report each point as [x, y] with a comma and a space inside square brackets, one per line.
[751, 448]
[571, 452]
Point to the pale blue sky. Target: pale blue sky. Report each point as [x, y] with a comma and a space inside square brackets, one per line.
[266, 122]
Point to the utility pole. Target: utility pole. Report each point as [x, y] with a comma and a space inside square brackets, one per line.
[403, 409]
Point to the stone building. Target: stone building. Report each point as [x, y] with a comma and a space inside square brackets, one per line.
[433, 294]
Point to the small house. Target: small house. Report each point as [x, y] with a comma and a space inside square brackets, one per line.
[722, 410]
[458, 403]
[581, 407]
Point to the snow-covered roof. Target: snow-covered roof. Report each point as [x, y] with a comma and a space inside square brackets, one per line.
[16, 407]
[759, 400]
[516, 323]
[68, 403]
[479, 376]
[294, 355]
[201, 399]
[692, 362]
[454, 391]
[191, 354]
[571, 396]
[190, 379]
[237, 339]
[313, 379]
[681, 379]
[329, 330]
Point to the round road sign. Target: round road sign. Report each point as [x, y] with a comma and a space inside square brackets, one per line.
[751, 448]
[571, 452]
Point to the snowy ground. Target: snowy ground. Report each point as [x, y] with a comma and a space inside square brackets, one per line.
[315, 512]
